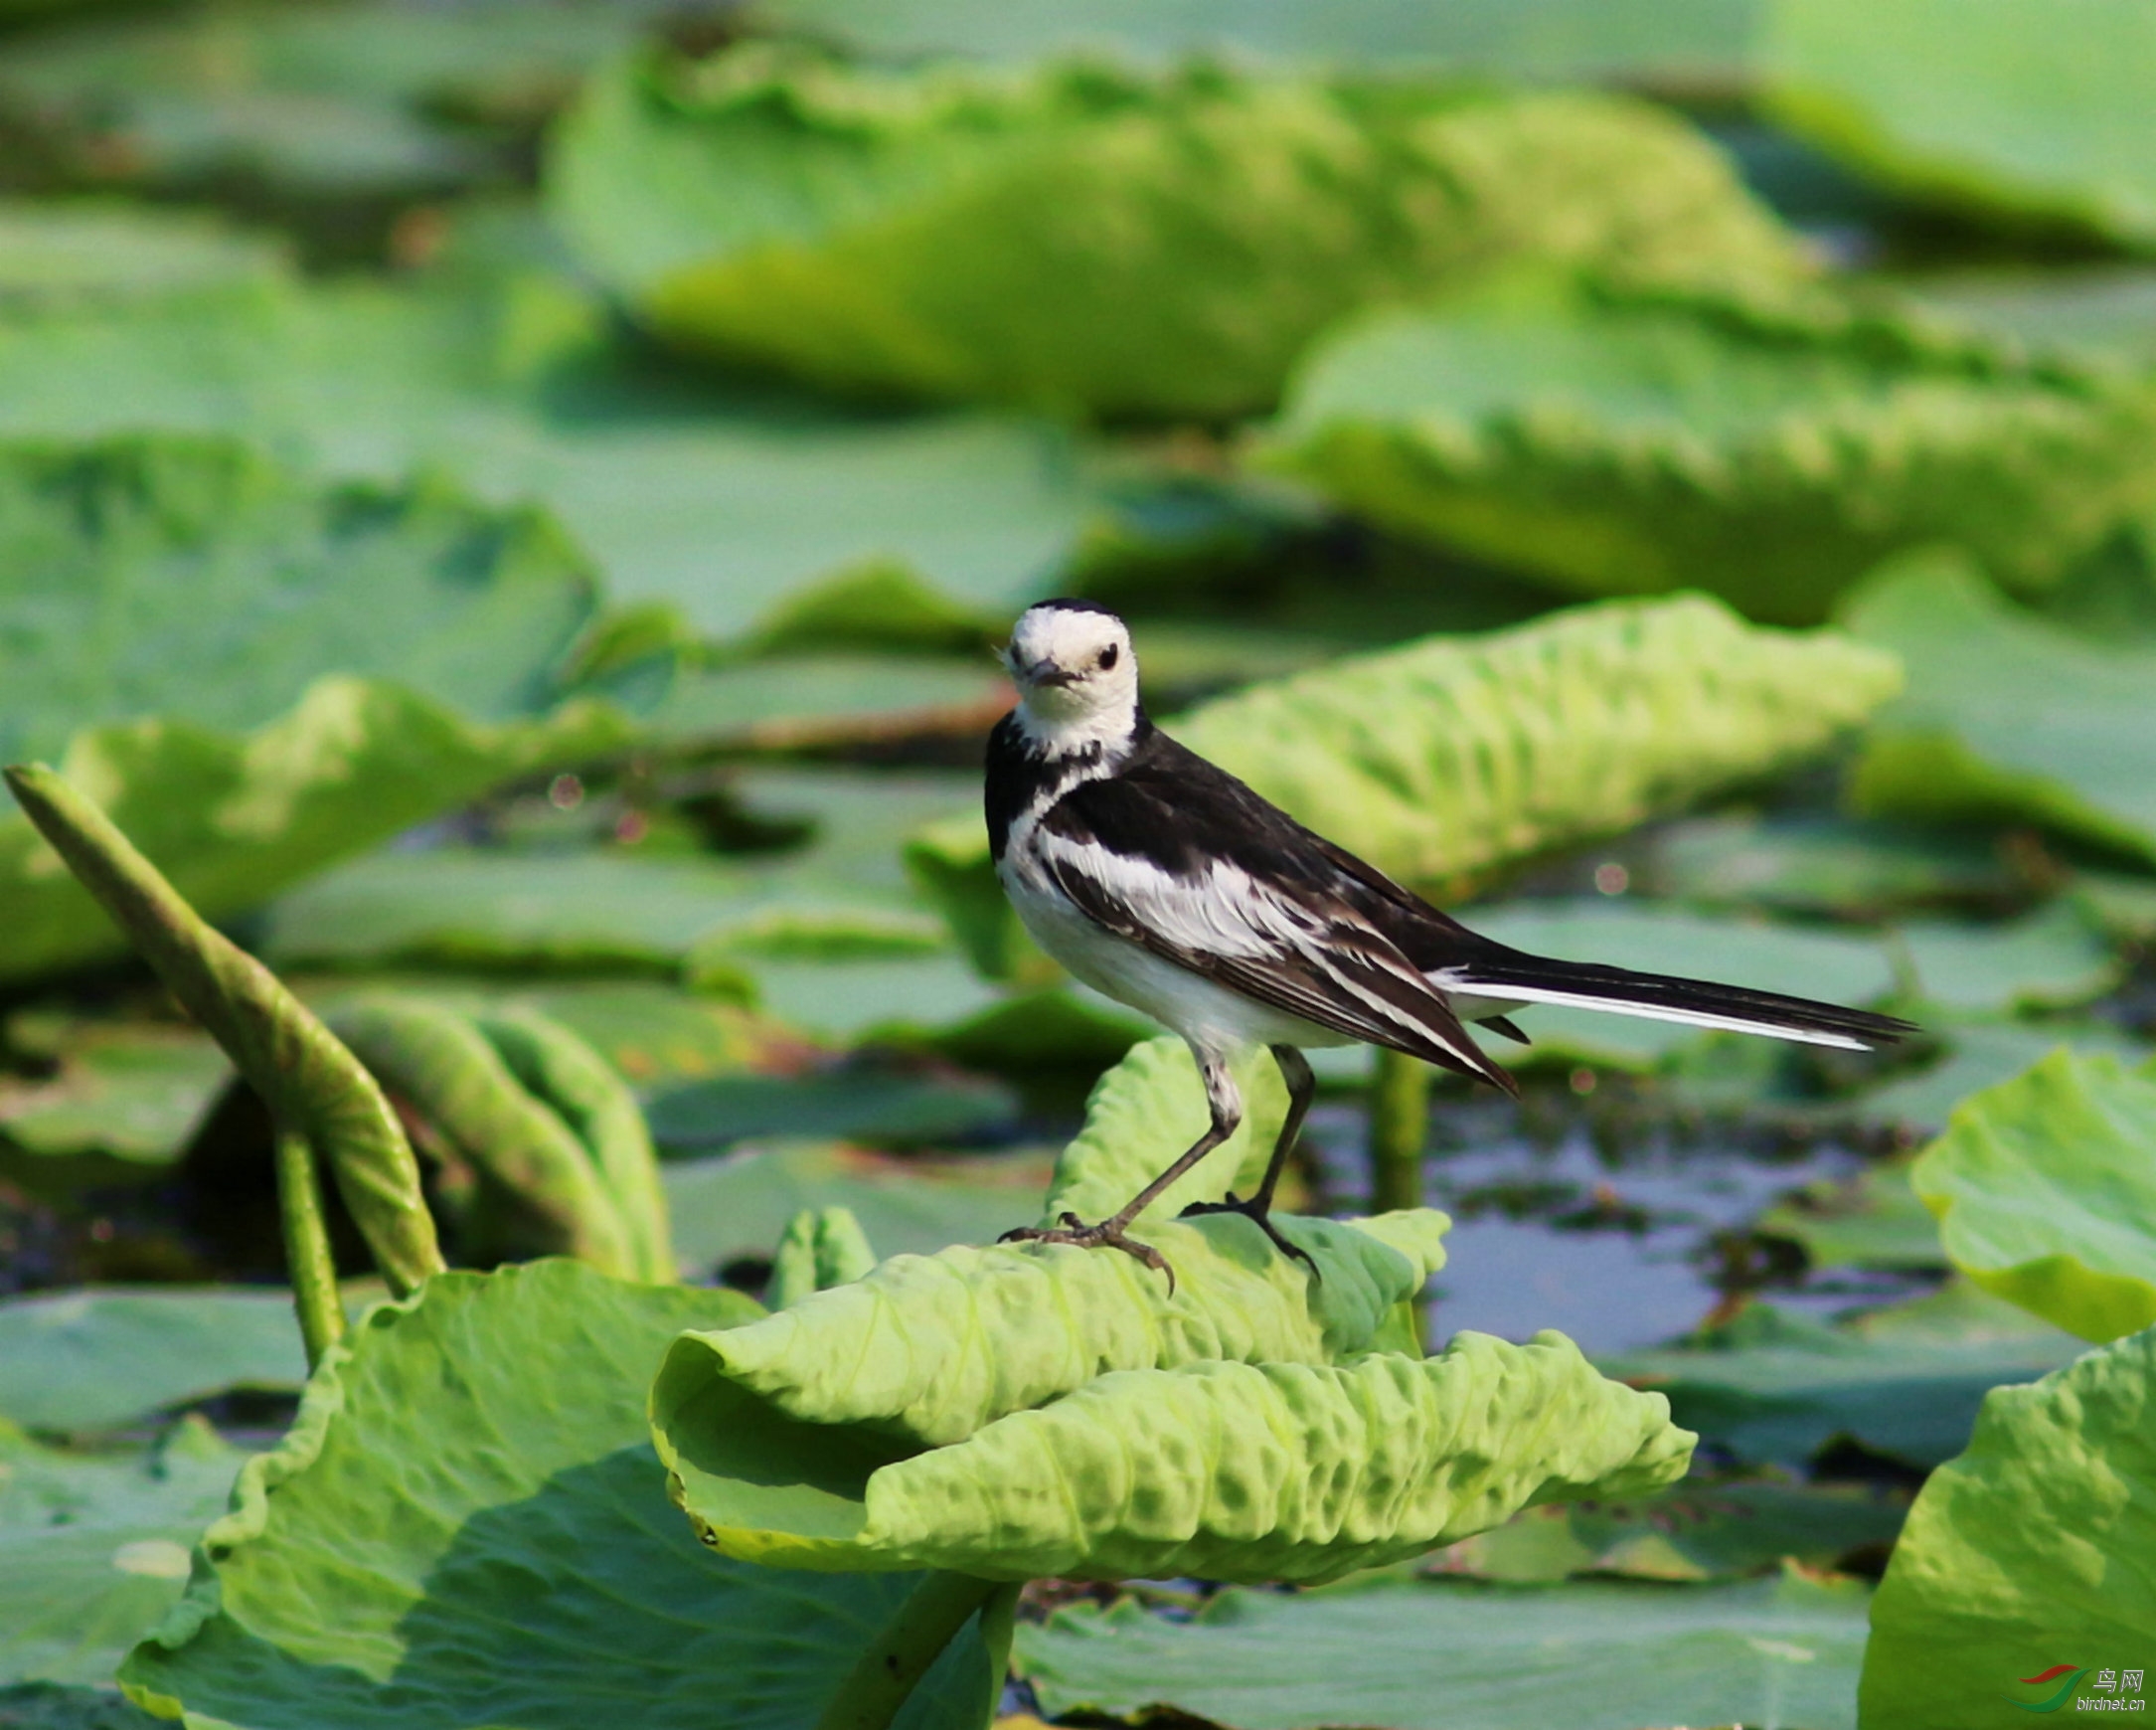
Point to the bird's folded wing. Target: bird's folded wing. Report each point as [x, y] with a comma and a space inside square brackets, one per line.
[1274, 942]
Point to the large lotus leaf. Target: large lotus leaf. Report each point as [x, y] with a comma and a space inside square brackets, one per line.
[1822, 866]
[467, 1527]
[1625, 443]
[1874, 1220]
[2028, 1558]
[195, 579]
[925, 1350]
[502, 908]
[94, 1547]
[1233, 1471]
[880, 1106]
[2006, 716]
[1985, 106]
[107, 1355]
[2045, 1188]
[1685, 43]
[52, 253]
[2052, 958]
[1981, 1054]
[718, 501]
[120, 1102]
[57, 1706]
[1462, 1657]
[1906, 1381]
[231, 819]
[1692, 1531]
[1086, 239]
[256, 672]
[1459, 754]
[355, 101]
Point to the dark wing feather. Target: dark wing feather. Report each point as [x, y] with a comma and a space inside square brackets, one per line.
[1344, 973]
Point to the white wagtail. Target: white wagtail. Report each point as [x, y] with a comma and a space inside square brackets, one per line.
[1170, 886]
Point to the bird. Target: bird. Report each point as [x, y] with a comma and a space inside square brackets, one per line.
[1162, 881]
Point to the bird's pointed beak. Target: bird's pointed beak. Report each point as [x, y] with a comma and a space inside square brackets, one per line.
[1049, 675]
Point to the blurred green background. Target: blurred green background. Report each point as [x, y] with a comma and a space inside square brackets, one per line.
[512, 501]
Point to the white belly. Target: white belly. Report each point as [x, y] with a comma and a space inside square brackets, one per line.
[1209, 1016]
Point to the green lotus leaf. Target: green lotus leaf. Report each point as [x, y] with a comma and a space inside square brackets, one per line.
[1987, 109]
[553, 1134]
[1229, 1470]
[1905, 1381]
[122, 1098]
[93, 1546]
[106, 1355]
[923, 1350]
[255, 672]
[54, 253]
[1141, 1116]
[1458, 1655]
[720, 501]
[1087, 239]
[1770, 450]
[1456, 755]
[2045, 1189]
[2027, 1557]
[1650, 44]
[466, 1526]
[737, 1206]
[2006, 716]
[822, 1246]
[1981, 1054]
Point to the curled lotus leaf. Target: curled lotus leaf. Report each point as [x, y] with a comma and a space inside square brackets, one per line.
[527, 1103]
[1232, 1470]
[925, 1349]
[821, 1246]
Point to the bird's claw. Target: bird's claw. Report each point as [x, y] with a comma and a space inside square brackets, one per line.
[1070, 1229]
[1258, 1214]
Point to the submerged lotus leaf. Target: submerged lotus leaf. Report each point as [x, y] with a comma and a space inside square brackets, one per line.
[2008, 717]
[2026, 1555]
[467, 1527]
[1085, 238]
[1455, 755]
[1230, 1471]
[1769, 449]
[1983, 106]
[2044, 1190]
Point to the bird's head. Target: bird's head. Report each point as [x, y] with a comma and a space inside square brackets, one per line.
[1078, 681]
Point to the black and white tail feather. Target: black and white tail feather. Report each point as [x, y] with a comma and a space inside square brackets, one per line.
[1166, 883]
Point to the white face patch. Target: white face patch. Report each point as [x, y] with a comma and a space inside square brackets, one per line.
[1076, 678]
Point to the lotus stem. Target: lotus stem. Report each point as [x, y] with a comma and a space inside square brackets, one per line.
[888, 1670]
[313, 1085]
[306, 1246]
[1398, 1128]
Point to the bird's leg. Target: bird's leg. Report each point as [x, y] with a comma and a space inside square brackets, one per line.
[1301, 1084]
[1227, 1105]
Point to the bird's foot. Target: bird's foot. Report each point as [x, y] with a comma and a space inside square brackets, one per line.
[1259, 1214]
[1108, 1234]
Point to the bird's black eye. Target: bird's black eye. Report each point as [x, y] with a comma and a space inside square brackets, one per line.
[1107, 656]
